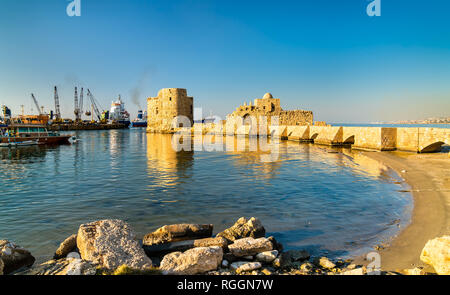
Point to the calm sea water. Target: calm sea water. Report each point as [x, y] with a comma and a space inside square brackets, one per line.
[330, 201]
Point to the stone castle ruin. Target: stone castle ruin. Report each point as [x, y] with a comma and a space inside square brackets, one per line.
[269, 107]
[171, 103]
[168, 105]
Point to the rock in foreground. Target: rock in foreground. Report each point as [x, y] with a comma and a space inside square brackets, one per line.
[250, 246]
[67, 246]
[14, 257]
[62, 267]
[193, 261]
[244, 228]
[267, 257]
[437, 254]
[181, 246]
[178, 232]
[110, 244]
[244, 266]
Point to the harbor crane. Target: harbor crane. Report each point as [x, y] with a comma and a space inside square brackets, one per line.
[80, 105]
[94, 105]
[76, 109]
[57, 108]
[36, 104]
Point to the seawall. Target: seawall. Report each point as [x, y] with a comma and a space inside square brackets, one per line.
[413, 139]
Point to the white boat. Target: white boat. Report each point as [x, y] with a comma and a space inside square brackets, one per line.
[118, 112]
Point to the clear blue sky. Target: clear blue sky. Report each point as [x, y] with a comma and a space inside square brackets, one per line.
[325, 56]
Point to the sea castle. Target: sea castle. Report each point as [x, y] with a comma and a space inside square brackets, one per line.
[172, 110]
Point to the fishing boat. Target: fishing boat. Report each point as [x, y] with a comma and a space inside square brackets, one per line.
[30, 134]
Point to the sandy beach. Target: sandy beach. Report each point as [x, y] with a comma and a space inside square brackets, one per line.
[428, 175]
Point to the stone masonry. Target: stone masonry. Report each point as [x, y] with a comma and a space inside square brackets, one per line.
[269, 107]
[168, 105]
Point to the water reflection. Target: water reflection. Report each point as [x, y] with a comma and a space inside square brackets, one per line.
[22, 153]
[170, 165]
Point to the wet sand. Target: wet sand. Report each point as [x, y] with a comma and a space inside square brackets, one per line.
[428, 175]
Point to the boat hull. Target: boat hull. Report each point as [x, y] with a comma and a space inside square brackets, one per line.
[125, 122]
[50, 140]
[138, 124]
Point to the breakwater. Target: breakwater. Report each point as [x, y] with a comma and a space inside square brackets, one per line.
[421, 139]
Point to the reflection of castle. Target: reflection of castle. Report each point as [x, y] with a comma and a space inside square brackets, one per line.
[269, 106]
[162, 158]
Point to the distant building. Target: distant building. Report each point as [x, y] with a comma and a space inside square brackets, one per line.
[269, 107]
[168, 105]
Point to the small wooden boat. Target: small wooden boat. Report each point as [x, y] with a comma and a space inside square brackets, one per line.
[30, 134]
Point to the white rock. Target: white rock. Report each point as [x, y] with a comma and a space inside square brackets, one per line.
[326, 263]
[250, 246]
[78, 267]
[193, 261]
[74, 255]
[111, 244]
[249, 266]
[267, 256]
[437, 254]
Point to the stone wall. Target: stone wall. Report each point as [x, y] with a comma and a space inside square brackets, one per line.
[422, 140]
[296, 117]
[372, 138]
[168, 105]
[270, 107]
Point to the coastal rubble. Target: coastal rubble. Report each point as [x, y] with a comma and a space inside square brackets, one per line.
[437, 254]
[67, 246]
[250, 246]
[110, 244]
[178, 232]
[246, 266]
[69, 266]
[267, 257]
[14, 257]
[326, 263]
[193, 261]
[159, 249]
[244, 228]
[110, 247]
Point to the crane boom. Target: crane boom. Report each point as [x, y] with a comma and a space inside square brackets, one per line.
[94, 105]
[36, 104]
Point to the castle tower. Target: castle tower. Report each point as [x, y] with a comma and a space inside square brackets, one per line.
[169, 104]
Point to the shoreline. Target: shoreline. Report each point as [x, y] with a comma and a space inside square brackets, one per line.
[426, 176]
